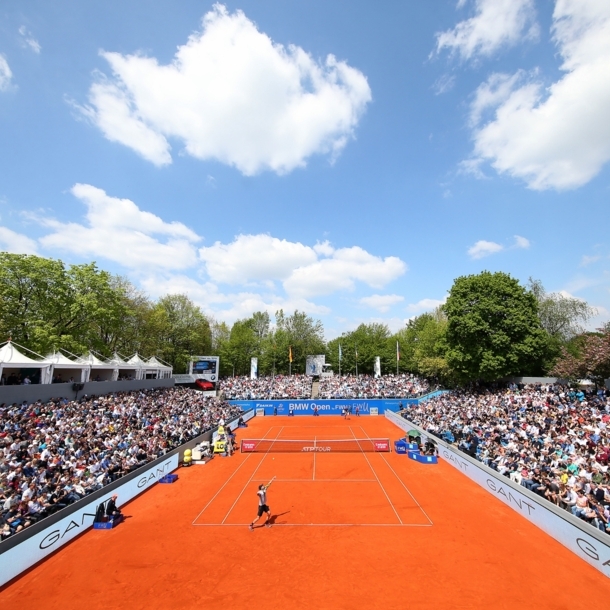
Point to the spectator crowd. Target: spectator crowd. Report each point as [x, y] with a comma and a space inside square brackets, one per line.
[367, 386]
[279, 387]
[56, 453]
[551, 439]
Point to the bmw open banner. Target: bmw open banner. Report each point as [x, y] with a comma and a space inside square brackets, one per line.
[323, 406]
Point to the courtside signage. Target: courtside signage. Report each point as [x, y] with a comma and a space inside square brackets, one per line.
[557, 523]
[30, 551]
[323, 407]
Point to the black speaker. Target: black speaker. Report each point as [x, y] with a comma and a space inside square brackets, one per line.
[77, 387]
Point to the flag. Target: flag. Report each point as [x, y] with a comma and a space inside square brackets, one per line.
[340, 353]
[290, 353]
[397, 351]
[356, 350]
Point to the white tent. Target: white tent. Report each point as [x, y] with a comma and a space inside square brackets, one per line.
[16, 366]
[135, 360]
[163, 371]
[125, 370]
[64, 369]
[99, 370]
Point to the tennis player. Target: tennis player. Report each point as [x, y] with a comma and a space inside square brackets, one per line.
[262, 505]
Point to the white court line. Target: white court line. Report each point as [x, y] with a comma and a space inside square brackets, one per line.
[317, 525]
[401, 482]
[315, 438]
[251, 477]
[317, 481]
[378, 481]
[225, 483]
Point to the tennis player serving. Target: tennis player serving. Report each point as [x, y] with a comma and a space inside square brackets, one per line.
[262, 505]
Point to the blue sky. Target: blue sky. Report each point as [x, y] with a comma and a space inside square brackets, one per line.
[348, 159]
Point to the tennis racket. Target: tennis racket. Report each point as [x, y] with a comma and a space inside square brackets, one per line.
[268, 484]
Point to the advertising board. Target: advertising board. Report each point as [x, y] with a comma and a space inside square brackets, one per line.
[22, 556]
[324, 407]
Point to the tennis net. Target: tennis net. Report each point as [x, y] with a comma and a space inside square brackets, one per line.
[356, 445]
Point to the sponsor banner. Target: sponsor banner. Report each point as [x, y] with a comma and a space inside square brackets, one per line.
[324, 407]
[30, 551]
[382, 445]
[247, 446]
[581, 538]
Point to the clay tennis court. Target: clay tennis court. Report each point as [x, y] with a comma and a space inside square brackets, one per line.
[350, 530]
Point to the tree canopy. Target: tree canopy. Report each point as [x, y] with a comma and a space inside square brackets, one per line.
[493, 328]
[489, 328]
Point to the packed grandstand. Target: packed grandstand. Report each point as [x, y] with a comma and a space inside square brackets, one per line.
[551, 439]
[300, 387]
[54, 454]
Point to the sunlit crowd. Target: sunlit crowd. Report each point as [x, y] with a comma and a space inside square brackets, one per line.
[276, 387]
[550, 439]
[56, 453]
[368, 386]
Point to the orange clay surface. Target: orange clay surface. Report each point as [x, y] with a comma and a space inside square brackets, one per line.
[351, 530]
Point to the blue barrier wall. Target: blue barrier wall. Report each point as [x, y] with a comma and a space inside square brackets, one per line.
[325, 407]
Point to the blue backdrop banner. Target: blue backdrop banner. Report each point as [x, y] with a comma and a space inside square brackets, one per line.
[325, 407]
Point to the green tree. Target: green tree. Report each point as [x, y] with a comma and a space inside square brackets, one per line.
[180, 329]
[493, 329]
[561, 316]
[369, 341]
[45, 306]
[297, 333]
[243, 345]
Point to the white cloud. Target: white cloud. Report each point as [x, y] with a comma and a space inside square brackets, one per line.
[425, 305]
[588, 260]
[444, 84]
[255, 258]
[5, 74]
[484, 248]
[16, 243]
[555, 137]
[230, 94]
[496, 24]
[492, 93]
[304, 271]
[381, 302]
[226, 307]
[28, 40]
[521, 242]
[341, 271]
[118, 230]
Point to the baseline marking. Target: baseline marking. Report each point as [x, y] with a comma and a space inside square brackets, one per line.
[378, 481]
[317, 525]
[318, 481]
